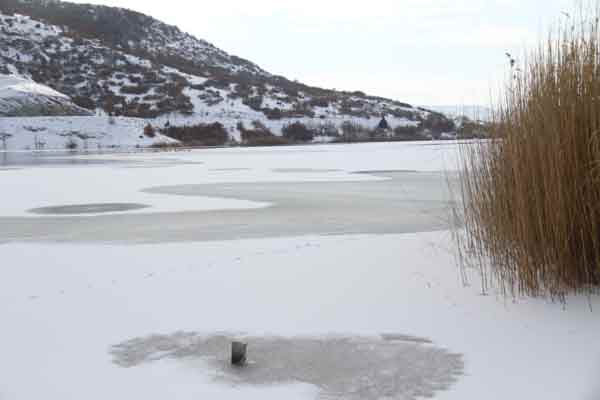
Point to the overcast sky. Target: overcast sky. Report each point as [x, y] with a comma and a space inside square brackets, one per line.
[427, 52]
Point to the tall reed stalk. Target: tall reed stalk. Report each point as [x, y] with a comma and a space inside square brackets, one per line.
[531, 193]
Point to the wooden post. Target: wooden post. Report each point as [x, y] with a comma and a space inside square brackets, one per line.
[238, 353]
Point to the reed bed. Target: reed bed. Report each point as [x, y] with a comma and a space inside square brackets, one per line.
[531, 193]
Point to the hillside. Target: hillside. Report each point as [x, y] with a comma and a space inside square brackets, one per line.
[124, 63]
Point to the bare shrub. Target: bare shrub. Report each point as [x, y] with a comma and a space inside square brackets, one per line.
[135, 89]
[298, 132]
[531, 194]
[149, 131]
[352, 131]
[199, 135]
[470, 129]
[408, 132]
[437, 123]
[325, 128]
[260, 135]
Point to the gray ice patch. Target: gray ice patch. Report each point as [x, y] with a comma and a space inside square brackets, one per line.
[392, 366]
[98, 208]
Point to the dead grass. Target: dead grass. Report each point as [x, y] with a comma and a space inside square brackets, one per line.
[531, 194]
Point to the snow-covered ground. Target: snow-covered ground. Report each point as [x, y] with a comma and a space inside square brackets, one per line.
[102, 132]
[86, 319]
[86, 133]
[13, 86]
[23, 97]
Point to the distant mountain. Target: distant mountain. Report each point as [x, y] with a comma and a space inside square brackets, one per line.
[473, 112]
[117, 61]
[21, 97]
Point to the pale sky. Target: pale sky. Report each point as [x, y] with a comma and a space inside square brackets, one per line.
[425, 52]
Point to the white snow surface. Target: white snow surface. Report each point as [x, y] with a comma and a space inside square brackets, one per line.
[18, 93]
[13, 86]
[63, 306]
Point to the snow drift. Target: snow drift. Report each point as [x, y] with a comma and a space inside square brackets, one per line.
[23, 97]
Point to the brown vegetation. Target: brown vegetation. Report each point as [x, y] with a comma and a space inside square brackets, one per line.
[260, 135]
[149, 131]
[532, 193]
[199, 135]
[298, 132]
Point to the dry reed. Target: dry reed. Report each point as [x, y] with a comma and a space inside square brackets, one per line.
[531, 193]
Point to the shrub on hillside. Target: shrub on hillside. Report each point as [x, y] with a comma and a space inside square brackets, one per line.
[352, 131]
[325, 129]
[254, 102]
[298, 132]
[135, 89]
[260, 135]
[402, 113]
[531, 194]
[470, 129]
[84, 102]
[319, 102]
[407, 132]
[199, 135]
[273, 113]
[149, 131]
[303, 109]
[437, 124]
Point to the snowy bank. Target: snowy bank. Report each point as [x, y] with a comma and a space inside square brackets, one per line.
[83, 133]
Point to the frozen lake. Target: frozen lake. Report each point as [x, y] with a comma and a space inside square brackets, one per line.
[128, 275]
[404, 202]
[255, 193]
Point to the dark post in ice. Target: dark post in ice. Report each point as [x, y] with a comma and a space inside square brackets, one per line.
[238, 353]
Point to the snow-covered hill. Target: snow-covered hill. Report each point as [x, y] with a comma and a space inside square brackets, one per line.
[23, 97]
[121, 62]
[66, 126]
